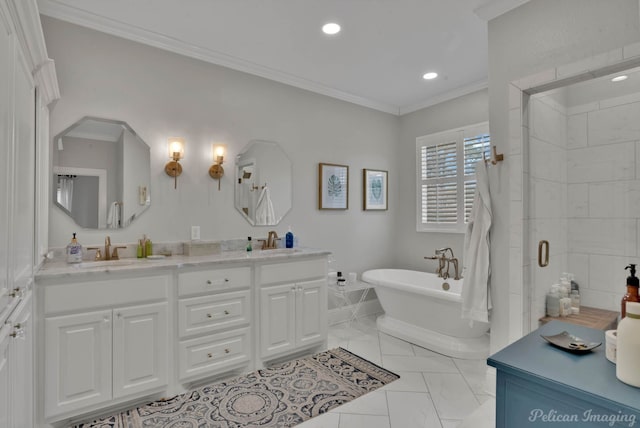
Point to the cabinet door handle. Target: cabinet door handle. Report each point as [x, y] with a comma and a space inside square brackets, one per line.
[544, 243]
[209, 355]
[226, 351]
[209, 282]
[226, 312]
[18, 331]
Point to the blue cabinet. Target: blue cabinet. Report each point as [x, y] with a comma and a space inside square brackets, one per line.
[539, 385]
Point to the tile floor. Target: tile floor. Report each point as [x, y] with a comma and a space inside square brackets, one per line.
[433, 391]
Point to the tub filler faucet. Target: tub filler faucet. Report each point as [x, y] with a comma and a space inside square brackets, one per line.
[444, 263]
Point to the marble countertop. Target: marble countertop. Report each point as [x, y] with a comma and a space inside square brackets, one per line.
[52, 269]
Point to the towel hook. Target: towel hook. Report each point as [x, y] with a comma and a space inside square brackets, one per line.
[495, 156]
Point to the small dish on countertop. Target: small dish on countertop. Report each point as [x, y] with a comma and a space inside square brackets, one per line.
[156, 257]
[571, 343]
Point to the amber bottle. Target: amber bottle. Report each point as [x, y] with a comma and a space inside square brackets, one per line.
[632, 291]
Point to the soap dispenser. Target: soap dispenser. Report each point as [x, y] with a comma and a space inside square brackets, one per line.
[632, 290]
[289, 238]
[74, 251]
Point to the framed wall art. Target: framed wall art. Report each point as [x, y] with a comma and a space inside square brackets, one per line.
[375, 189]
[333, 193]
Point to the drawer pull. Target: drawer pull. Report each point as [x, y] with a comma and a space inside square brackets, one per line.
[226, 312]
[226, 351]
[209, 355]
[219, 281]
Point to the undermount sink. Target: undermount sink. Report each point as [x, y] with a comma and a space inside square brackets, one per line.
[104, 263]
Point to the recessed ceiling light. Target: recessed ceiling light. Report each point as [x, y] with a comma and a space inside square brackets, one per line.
[619, 78]
[331, 28]
[430, 75]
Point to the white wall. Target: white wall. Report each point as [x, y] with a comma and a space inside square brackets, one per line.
[533, 38]
[161, 94]
[412, 246]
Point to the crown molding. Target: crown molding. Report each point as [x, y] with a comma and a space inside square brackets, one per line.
[458, 92]
[83, 18]
[26, 22]
[495, 8]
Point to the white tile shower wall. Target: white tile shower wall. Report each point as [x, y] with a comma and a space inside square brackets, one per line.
[603, 197]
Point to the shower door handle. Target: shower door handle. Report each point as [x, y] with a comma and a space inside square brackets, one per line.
[544, 243]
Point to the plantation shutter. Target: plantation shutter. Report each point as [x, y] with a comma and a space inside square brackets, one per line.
[446, 176]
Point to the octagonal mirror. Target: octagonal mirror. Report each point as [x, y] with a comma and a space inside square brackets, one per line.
[264, 183]
[101, 173]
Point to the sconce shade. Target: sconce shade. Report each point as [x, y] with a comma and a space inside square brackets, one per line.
[176, 148]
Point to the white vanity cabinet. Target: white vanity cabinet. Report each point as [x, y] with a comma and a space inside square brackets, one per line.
[104, 341]
[293, 306]
[214, 321]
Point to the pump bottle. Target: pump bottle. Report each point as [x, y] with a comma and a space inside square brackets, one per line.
[632, 290]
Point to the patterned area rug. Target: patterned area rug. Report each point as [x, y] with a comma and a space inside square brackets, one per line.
[280, 396]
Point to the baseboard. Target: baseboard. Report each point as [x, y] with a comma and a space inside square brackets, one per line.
[490, 381]
[367, 308]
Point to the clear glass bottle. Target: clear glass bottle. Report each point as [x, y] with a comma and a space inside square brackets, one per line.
[575, 301]
[553, 302]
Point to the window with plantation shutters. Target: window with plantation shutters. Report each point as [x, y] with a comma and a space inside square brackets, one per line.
[446, 176]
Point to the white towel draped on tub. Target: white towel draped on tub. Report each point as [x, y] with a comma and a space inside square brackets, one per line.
[476, 299]
[265, 215]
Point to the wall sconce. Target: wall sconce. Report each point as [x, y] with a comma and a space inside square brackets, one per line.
[217, 171]
[176, 152]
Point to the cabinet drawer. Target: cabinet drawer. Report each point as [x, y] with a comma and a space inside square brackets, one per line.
[204, 281]
[114, 292]
[293, 271]
[213, 313]
[215, 353]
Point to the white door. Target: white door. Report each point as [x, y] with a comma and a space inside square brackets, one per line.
[277, 319]
[21, 366]
[7, 53]
[140, 350]
[4, 376]
[311, 313]
[77, 361]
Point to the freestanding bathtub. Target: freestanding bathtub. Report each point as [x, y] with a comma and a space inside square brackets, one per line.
[423, 309]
